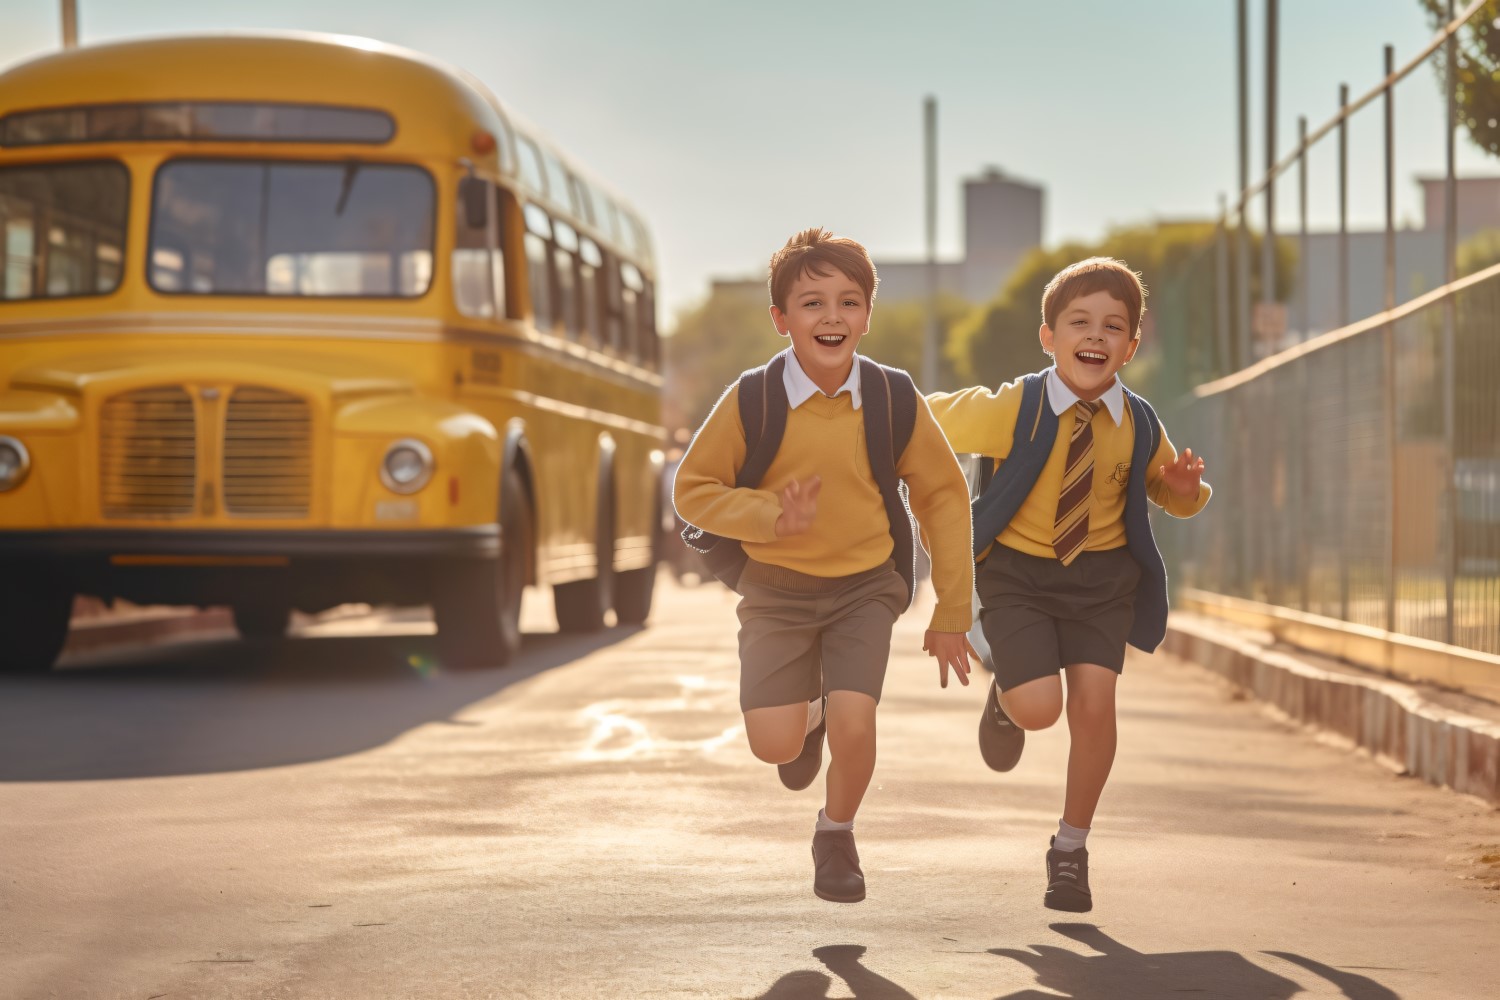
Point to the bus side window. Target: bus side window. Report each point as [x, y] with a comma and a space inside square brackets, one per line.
[564, 256]
[589, 261]
[479, 262]
[560, 190]
[613, 330]
[650, 340]
[539, 267]
[530, 165]
[630, 311]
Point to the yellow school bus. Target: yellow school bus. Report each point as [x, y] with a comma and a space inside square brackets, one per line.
[288, 321]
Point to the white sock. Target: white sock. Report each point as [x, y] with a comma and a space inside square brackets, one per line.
[1070, 838]
[824, 823]
[814, 714]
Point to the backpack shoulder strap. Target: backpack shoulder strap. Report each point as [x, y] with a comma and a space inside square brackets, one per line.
[1029, 418]
[903, 395]
[763, 405]
[1153, 422]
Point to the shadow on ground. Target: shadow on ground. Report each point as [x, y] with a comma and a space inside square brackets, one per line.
[1113, 972]
[225, 705]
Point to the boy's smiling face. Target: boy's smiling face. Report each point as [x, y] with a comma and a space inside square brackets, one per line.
[1091, 342]
[826, 315]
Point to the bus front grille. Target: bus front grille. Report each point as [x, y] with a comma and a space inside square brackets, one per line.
[267, 454]
[148, 444]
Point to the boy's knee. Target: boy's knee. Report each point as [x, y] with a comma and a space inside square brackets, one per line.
[851, 732]
[1034, 716]
[1091, 709]
[777, 748]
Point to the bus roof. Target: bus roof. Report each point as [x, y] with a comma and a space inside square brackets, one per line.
[437, 108]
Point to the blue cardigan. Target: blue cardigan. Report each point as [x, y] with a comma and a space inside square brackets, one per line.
[1036, 432]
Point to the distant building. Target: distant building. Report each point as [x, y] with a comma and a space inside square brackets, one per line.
[1002, 222]
[1419, 258]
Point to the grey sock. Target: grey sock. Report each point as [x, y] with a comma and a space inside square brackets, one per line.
[1070, 838]
[824, 823]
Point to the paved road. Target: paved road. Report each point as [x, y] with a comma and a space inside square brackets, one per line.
[333, 817]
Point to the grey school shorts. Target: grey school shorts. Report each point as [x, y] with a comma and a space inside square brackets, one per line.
[1040, 616]
[802, 636]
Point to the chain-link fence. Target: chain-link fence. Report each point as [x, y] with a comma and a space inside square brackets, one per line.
[1358, 477]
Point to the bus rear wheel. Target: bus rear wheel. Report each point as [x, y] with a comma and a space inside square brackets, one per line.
[34, 620]
[634, 590]
[478, 604]
[582, 604]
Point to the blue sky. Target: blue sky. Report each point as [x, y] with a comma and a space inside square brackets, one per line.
[731, 125]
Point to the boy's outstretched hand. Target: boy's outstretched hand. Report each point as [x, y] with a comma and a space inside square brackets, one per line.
[799, 504]
[1184, 475]
[951, 649]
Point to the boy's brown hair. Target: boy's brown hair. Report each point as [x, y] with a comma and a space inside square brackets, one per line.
[817, 251]
[1097, 274]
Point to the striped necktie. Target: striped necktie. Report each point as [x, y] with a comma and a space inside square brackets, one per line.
[1071, 529]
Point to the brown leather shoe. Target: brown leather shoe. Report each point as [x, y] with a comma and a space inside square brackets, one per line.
[837, 876]
[1000, 740]
[1068, 880]
[799, 772]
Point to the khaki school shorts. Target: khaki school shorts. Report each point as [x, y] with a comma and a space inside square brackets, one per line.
[1040, 616]
[802, 636]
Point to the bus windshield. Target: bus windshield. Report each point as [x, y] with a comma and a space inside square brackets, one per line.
[236, 227]
[62, 229]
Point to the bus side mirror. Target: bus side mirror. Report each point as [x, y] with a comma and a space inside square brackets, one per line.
[473, 195]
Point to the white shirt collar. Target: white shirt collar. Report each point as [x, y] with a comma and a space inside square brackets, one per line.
[1061, 397]
[800, 388]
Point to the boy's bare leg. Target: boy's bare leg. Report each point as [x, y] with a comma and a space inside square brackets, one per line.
[1036, 704]
[776, 734]
[851, 746]
[1091, 726]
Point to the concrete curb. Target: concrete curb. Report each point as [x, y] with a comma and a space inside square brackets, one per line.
[1389, 719]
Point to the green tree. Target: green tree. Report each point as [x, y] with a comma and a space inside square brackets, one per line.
[1478, 70]
[710, 345]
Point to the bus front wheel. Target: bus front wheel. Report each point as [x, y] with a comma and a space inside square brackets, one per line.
[34, 620]
[478, 604]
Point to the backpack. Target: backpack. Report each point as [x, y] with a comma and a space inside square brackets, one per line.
[889, 406]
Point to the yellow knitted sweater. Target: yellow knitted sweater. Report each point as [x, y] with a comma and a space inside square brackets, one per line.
[850, 533]
[981, 421]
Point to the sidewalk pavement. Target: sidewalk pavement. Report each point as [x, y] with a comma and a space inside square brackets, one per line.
[1444, 737]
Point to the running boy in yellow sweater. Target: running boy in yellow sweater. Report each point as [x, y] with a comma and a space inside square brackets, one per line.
[1069, 572]
[827, 538]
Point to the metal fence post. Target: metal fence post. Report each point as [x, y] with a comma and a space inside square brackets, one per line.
[1221, 292]
[1268, 247]
[1343, 310]
[1389, 335]
[1242, 248]
[1450, 274]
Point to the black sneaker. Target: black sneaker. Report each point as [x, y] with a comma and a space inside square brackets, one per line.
[837, 876]
[799, 772]
[1000, 740]
[1068, 880]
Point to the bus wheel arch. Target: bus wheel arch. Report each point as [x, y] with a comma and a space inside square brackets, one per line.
[517, 461]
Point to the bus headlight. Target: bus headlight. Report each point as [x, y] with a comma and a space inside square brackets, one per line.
[15, 462]
[407, 466]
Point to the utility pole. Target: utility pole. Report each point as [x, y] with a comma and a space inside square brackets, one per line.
[70, 24]
[930, 334]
